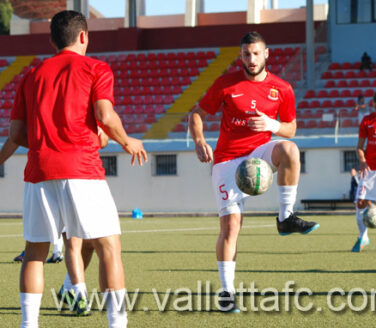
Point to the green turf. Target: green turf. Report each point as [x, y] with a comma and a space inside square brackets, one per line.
[166, 253]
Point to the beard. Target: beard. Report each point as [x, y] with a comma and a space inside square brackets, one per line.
[248, 72]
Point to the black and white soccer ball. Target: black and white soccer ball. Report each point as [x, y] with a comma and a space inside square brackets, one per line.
[369, 217]
[254, 176]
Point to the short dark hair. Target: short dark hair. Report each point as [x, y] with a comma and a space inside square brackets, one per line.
[252, 37]
[65, 27]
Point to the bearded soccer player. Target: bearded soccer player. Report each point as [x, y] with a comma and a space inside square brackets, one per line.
[366, 192]
[251, 99]
[56, 111]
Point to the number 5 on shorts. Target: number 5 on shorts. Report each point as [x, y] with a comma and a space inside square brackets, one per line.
[225, 196]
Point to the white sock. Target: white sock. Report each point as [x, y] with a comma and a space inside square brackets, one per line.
[58, 247]
[286, 197]
[80, 289]
[115, 305]
[67, 282]
[363, 231]
[30, 304]
[226, 270]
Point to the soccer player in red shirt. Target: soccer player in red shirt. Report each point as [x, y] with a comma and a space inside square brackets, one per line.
[251, 100]
[56, 111]
[366, 193]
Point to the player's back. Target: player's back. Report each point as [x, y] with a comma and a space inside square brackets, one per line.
[62, 129]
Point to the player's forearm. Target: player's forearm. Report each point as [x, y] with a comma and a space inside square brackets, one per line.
[18, 133]
[7, 150]
[196, 128]
[287, 130]
[361, 155]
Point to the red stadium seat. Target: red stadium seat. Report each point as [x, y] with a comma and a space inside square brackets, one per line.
[343, 112]
[330, 84]
[345, 93]
[373, 83]
[311, 124]
[338, 75]
[214, 126]
[314, 104]
[161, 56]
[353, 84]
[368, 93]
[347, 123]
[346, 65]
[333, 94]
[334, 66]
[356, 65]
[357, 92]
[310, 94]
[179, 128]
[303, 104]
[327, 75]
[342, 84]
[326, 104]
[350, 103]
[361, 74]
[364, 83]
[307, 114]
[322, 94]
[349, 75]
[338, 103]
[301, 124]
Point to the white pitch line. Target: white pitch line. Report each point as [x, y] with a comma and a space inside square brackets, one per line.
[171, 230]
[195, 229]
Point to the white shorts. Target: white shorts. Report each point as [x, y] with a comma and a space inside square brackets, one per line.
[229, 198]
[367, 187]
[84, 207]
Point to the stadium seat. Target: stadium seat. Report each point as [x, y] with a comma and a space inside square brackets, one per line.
[353, 84]
[303, 104]
[350, 103]
[330, 84]
[357, 92]
[338, 103]
[373, 84]
[364, 83]
[179, 128]
[311, 124]
[356, 65]
[326, 124]
[333, 66]
[349, 75]
[345, 93]
[346, 65]
[361, 74]
[310, 94]
[214, 126]
[342, 84]
[347, 123]
[300, 124]
[368, 93]
[322, 94]
[326, 104]
[307, 114]
[327, 75]
[338, 75]
[314, 104]
[333, 94]
[343, 112]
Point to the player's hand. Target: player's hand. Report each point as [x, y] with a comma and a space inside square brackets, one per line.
[363, 169]
[262, 123]
[135, 148]
[204, 152]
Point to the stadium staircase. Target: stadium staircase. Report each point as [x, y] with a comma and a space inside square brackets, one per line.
[192, 94]
[16, 67]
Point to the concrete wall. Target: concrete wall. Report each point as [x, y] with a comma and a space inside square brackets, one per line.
[190, 190]
[349, 41]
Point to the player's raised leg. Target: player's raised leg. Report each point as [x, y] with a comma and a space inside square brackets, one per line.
[363, 240]
[285, 157]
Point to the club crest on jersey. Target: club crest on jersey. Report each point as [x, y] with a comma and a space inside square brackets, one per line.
[273, 94]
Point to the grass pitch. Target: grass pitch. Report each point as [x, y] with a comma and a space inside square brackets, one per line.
[168, 254]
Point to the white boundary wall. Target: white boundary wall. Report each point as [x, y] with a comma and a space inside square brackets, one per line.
[190, 190]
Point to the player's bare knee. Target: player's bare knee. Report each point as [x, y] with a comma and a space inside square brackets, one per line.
[362, 203]
[286, 152]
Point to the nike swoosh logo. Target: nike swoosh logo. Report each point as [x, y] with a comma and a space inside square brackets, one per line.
[236, 96]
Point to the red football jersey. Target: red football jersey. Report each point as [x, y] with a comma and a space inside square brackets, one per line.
[239, 97]
[56, 101]
[367, 130]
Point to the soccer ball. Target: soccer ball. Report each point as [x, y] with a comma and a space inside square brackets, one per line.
[254, 176]
[369, 217]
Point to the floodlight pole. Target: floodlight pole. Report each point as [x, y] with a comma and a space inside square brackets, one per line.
[310, 45]
[81, 6]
